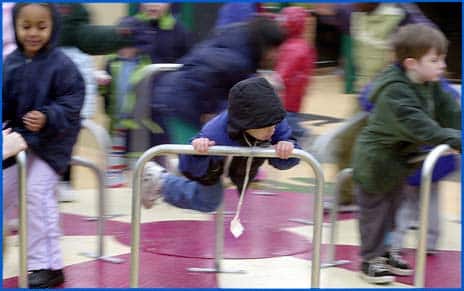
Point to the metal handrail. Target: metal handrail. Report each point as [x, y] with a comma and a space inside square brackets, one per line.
[342, 176]
[426, 180]
[22, 178]
[223, 151]
[156, 68]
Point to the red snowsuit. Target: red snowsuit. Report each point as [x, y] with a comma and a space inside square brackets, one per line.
[296, 59]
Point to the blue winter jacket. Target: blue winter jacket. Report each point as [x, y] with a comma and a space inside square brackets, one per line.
[235, 12]
[208, 73]
[50, 83]
[196, 166]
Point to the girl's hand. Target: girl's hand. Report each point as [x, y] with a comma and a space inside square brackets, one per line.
[284, 149]
[202, 144]
[34, 120]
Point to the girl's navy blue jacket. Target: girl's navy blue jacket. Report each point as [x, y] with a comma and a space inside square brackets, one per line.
[50, 83]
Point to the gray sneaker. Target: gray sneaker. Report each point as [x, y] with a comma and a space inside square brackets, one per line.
[375, 271]
[152, 183]
[396, 264]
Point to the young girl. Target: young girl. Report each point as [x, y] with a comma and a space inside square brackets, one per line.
[43, 94]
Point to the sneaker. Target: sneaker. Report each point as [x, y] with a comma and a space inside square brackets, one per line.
[375, 271]
[152, 183]
[65, 193]
[396, 264]
[45, 278]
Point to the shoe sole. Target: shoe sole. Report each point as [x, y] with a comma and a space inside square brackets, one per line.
[377, 280]
[400, 272]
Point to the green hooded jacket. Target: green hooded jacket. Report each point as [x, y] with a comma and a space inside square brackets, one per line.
[406, 116]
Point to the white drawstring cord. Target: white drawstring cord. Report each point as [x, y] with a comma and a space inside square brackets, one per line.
[236, 228]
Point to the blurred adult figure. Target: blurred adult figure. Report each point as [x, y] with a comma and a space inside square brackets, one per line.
[185, 99]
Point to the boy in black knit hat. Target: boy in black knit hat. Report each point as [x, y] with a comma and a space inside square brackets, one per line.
[254, 117]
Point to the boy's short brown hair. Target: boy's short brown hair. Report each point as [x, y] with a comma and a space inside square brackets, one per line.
[415, 40]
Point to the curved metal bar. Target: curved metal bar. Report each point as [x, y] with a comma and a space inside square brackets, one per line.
[21, 160]
[100, 133]
[426, 180]
[155, 68]
[341, 177]
[100, 177]
[223, 151]
[99, 173]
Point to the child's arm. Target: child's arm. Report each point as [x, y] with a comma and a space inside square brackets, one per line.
[68, 91]
[411, 122]
[448, 110]
[284, 145]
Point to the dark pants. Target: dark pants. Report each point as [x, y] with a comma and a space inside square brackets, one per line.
[377, 212]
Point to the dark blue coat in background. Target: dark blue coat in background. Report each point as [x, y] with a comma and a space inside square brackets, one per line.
[163, 43]
[209, 71]
[49, 82]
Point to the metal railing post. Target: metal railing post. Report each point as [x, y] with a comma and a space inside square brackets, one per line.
[426, 180]
[224, 151]
[342, 176]
[104, 141]
[100, 175]
[22, 182]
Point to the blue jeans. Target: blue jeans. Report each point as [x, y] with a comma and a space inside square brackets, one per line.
[184, 193]
[409, 212]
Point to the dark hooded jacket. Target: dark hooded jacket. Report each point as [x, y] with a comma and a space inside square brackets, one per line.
[211, 68]
[50, 83]
[252, 104]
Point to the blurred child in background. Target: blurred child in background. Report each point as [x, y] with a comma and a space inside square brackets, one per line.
[295, 65]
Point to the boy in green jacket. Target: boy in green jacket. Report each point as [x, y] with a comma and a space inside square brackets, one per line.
[411, 111]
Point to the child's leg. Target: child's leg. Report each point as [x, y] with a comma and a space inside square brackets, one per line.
[10, 192]
[43, 214]
[376, 219]
[404, 217]
[185, 193]
[433, 231]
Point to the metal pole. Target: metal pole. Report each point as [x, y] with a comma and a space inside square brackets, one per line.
[224, 151]
[21, 160]
[426, 179]
[219, 245]
[342, 176]
[99, 173]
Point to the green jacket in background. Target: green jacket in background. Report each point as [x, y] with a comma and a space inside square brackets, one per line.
[406, 116]
[76, 31]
